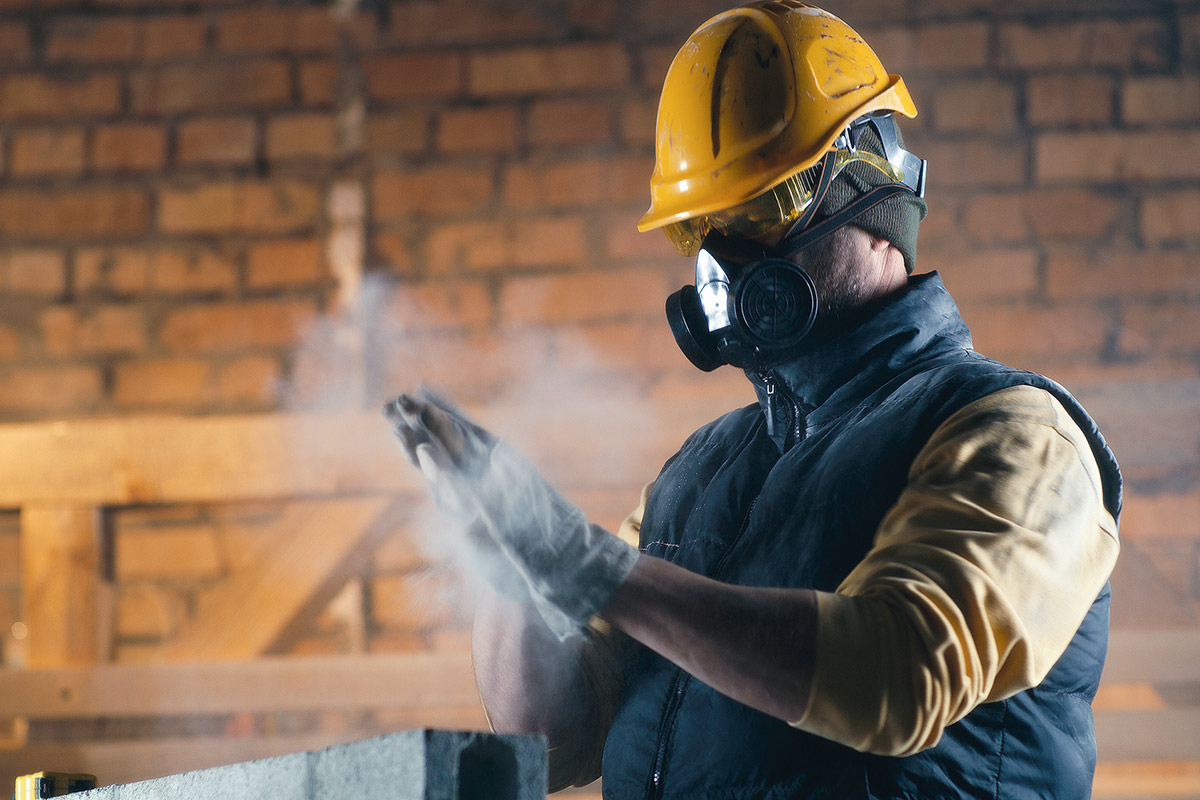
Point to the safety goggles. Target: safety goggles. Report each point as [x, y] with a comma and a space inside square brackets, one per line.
[777, 208]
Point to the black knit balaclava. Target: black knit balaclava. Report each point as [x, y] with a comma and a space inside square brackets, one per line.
[896, 219]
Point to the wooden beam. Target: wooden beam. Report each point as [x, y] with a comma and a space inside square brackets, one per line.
[66, 592]
[419, 682]
[109, 462]
[186, 459]
[304, 558]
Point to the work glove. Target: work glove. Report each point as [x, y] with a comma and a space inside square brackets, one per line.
[527, 540]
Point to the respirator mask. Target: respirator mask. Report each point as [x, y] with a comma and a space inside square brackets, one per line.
[751, 305]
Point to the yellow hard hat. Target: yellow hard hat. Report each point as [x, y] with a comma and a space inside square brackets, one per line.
[754, 96]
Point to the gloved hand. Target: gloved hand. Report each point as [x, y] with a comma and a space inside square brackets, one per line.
[529, 541]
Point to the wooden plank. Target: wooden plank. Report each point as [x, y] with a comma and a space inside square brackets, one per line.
[183, 459]
[299, 565]
[66, 595]
[1167, 655]
[419, 682]
[107, 462]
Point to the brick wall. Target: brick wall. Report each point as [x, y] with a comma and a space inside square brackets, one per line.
[226, 206]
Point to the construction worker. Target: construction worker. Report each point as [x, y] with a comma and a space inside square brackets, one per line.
[885, 579]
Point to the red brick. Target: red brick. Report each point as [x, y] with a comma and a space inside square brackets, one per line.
[1144, 44]
[282, 30]
[38, 272]
[424, 23]
[41, 391]
[55, 215]
[89, 40]
[624, 242]
[391, 252]
[578, 183]
[128, 146]
[1167, 515]
[654, 61]
[10, 343]
[983, 106]
[1122, 274]
[571, 122]
[37, 96]
[1085, 99]
[528, 242]
[593, 16]
[174, 37]
[1019, 333]
[1112, 156]
[229, 140]
[227, 327]
[1159, 329]
[626, 347]
[1064, 213]
[137, 270]
[47, 151]
[319, 81]
[430, 190]
[161, 383]
[249, 382]
[1161, 100]
[476, 130]
[289, 262]
[975, 164]
[413, 75]
[992, 274]
[949, 46]
[530, 70]
[421, 307]
[219, 86]
[472, 367]
[15, 45]
[1170, 216]
[275, 206]
[639, 122]
[302, 136]
[189, 552]
[398, 134]
[583, 296]
[1152, 425]
[1190, 36]
[71, 332]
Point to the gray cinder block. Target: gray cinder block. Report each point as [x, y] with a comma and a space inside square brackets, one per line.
[410, 765]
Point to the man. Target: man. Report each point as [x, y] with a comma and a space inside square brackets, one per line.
[887, 578]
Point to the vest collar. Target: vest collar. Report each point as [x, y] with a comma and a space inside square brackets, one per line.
[869, 346]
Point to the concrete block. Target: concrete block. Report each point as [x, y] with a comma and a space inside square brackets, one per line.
[409, 765]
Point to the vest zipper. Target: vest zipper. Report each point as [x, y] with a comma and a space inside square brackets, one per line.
[776, 395]
[682, 680]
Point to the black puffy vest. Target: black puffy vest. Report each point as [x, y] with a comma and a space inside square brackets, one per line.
[799, 508]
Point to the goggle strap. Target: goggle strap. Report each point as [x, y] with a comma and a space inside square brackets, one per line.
[851, 212]
[824, 179]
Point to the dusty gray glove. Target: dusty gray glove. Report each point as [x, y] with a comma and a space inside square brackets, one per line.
[531, 542]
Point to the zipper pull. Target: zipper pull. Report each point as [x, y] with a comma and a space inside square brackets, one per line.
[769, 385]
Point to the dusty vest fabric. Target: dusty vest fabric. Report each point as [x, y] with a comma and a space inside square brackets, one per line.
[799, 508]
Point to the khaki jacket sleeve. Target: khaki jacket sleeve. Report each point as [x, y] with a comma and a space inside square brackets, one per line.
[978, 578]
